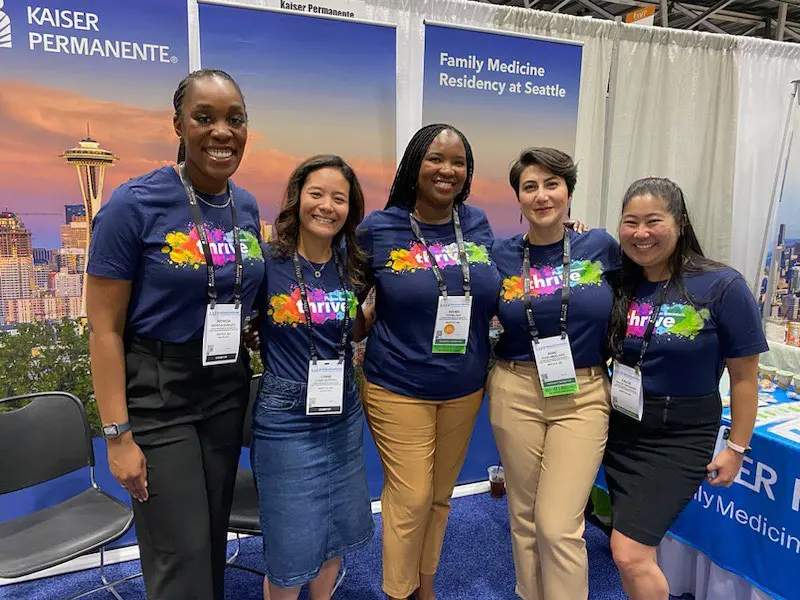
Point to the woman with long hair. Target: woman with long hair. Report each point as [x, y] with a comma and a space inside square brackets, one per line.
[173, 267]
[428, 350]
[678, 319]
[307, 449]
[549, 393]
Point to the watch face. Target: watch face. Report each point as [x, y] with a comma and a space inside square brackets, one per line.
[110, 430]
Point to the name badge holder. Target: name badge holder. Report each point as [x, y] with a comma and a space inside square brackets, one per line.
[454, 313]
[627, 389]
[222, 328]
[325, 389]
[553, 355]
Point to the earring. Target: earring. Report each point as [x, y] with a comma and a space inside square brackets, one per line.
[520, 218]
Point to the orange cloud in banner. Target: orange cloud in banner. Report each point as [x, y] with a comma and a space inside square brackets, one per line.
[40, 122]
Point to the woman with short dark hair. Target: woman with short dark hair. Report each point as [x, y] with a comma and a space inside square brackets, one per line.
[307, 450]
[549, 389]
[174, 266]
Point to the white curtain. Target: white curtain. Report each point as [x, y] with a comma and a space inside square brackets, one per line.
[766, 70]
[597, 35]
[674, 115]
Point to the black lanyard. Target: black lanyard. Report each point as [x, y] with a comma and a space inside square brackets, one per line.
[462, 254]
[201, 233]
[651, 325]
[526, 287]
[298, 271]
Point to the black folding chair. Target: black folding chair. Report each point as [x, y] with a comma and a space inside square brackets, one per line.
[45, 439]
[245, 518]
[244, 512]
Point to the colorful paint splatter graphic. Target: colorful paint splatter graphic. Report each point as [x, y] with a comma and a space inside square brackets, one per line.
[416, 257]
[184, 249]
[287, 309]
[681, 320]
[547, 280]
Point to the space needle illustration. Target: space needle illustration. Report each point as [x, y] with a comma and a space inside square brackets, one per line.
[91, 161]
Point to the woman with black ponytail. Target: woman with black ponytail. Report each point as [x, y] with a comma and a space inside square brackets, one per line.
[174, 266]
[678, 319]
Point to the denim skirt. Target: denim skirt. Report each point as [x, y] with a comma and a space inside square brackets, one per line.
[312, 481]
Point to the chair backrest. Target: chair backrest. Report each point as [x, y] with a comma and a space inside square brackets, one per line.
[247, 436]
[44, 439]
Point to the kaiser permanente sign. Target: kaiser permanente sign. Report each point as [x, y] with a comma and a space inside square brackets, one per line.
[82, 35]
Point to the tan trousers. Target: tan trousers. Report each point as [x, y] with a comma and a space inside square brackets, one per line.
[551, 450]
[422, 445]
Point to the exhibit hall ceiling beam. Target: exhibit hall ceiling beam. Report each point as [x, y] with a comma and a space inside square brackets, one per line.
[710, 26]
[753, 29]
[723, 15]
[561, 5]
[597, 9]
[711, 11]
[530, 3]
[780, 30]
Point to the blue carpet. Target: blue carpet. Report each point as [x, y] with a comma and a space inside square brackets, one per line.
[476, 563]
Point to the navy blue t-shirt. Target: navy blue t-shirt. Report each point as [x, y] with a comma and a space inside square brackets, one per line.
[398, 355]
[145, 234]
[285, 348]
[690, 341]
[593, 255]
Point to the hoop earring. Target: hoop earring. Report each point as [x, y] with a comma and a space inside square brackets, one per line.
[520, 217]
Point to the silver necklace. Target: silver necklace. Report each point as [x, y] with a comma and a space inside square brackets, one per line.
[317, 270]
[211, 204]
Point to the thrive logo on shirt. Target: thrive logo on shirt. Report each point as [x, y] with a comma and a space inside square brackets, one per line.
[416, 257]
[185, 250]
[548, 280]
[287, 309]
[681, 320]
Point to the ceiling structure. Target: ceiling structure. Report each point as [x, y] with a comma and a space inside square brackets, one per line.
[772, 19]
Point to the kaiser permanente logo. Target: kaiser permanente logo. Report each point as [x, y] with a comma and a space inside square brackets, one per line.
[82, 36]
[5, 28]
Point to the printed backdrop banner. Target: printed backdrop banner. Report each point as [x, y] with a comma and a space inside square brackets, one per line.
[504, 92]
[312, 86]
[91, 75]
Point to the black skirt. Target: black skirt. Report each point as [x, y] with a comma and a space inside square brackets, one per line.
[654, 467]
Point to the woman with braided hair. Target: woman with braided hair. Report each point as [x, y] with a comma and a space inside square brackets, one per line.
[427, 354]
[174, 265]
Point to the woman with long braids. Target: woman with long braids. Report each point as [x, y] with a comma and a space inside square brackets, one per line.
[173, 268]
[308, 426]
[428, 350]
[678, 318]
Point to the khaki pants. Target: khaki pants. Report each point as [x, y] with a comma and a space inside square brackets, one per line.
[551, 450]
[422, 445]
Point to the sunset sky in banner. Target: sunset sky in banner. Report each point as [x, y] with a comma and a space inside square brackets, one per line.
[499, 125]
[46, 99]
[312, 86]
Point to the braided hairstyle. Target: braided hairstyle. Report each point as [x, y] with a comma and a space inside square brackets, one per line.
[688, 257]
[183, 88]
[404, 186]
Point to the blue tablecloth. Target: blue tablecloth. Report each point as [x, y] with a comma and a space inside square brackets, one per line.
[753, 527]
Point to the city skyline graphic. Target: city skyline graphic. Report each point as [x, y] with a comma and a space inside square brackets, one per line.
[783, 259]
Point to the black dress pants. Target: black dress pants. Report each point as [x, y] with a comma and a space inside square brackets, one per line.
[187, 419]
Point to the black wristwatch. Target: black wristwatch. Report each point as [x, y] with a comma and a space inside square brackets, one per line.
[113, 430]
